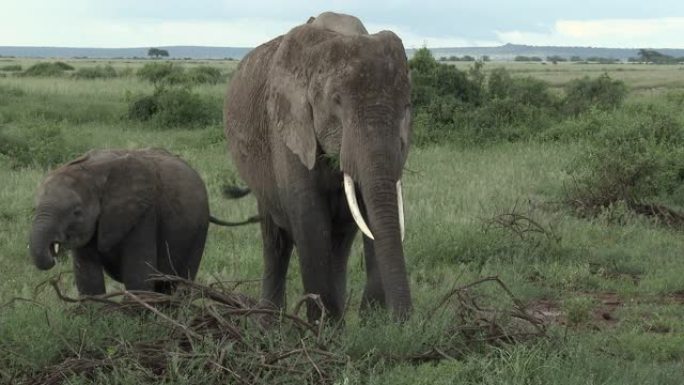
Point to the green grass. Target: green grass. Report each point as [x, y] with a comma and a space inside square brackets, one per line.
[451, 192]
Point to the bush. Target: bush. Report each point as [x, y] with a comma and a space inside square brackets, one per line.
[205, 74]
[63, 65]
[602, 92]
[470, 106]
[161, 74]
[634, 156]
[499, 84]
[143, 108]
[473, 107]
[11, 68]
[527, 91]
[40, 145]
[98, 72]
[527, 58]
[431, 79]
[169, 74]
[181, 107]
[175, 107]
[47, 69]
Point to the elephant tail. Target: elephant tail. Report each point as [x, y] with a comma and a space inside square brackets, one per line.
[235, 192]
[216, 221]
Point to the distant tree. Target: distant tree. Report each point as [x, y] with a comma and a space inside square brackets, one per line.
[647, 54]
[555, 59]
[575, 58]
[467, 58]
[653, 56]
[527, 58]
[443, 58]
[453, 58]
[485, 58]
[602, 60]
[156, 52]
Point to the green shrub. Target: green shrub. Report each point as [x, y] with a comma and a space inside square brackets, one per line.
[173, 103]
[46, 69]
[431, 79]
[11, 68]
[505, 119]
[64, 66]
[602, 92]
[634, 156]
[41, 145]
[181, 107]
[97, 72]
[499, 84]
[162, 74]
[205, 75]
[173, 107]
[474, 107]
[143, 107]
[581, 127]
[469, 106]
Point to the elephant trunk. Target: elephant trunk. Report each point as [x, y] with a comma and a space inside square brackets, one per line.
[380, 195]
[43, 242]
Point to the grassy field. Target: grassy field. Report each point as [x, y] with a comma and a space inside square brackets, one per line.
[638, 76]
[609, 292]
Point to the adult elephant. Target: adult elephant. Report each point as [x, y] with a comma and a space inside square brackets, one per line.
[325, 106]
[131, 213]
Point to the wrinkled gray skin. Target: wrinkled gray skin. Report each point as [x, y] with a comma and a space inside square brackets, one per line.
[340, 23]
[295, 102]
[129, 213]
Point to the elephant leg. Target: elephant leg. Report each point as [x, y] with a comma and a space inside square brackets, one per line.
[312, 233]
[342, 240]
[179, 261]
[194, 256]
[373, 293]
[139, 254]
[277, 252]
[88, 271]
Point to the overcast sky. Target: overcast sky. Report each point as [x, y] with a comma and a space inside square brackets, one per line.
[436, 23]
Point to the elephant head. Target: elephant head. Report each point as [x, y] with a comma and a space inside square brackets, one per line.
[348, 95]
[97, 197]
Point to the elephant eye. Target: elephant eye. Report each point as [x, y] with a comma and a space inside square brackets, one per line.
[78, 212]
[337, 99]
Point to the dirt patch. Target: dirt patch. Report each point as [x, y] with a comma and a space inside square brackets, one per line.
[600, 316]
[602, 313]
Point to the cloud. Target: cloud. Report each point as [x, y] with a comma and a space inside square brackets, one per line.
[664, 32]
[412, 39]
[142, 33]
[143, 23]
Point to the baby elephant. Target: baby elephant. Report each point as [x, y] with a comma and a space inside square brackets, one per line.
[133, 213]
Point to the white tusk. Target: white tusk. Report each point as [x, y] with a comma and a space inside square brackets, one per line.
[350, 193]
[400, 206]
[55, 247]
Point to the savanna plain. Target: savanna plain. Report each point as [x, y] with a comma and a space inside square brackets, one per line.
[565, 181]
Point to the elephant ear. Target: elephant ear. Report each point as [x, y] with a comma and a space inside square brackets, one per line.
[127, 194]
[288, 105]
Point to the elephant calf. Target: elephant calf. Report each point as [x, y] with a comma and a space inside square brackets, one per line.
[133, 213]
